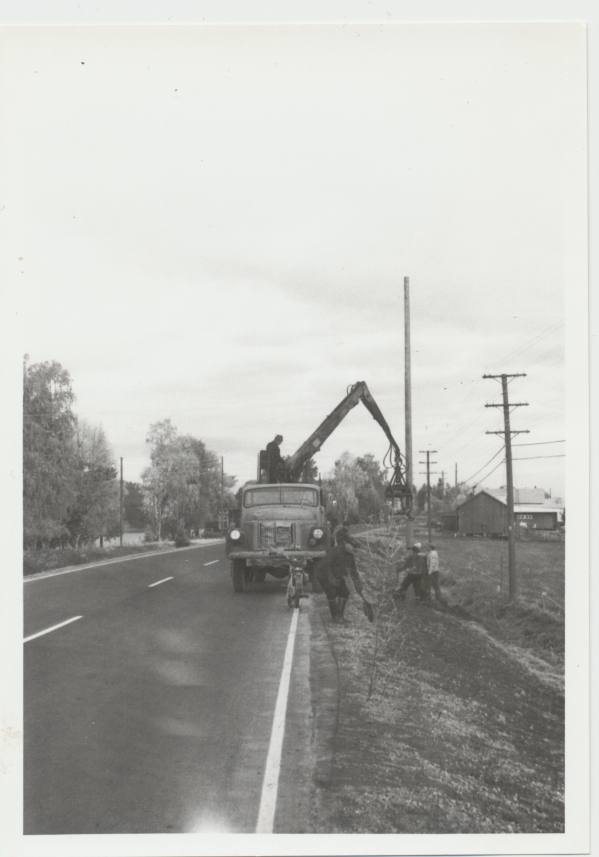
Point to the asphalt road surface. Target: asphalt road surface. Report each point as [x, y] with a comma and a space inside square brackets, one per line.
[153, 711]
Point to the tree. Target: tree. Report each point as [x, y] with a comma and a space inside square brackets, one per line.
[94, 511]
[309, 472]
[343, 488]
[133, 509]
[48, 464]
[182, 486]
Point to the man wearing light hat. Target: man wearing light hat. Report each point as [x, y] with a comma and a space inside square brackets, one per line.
[414, 572]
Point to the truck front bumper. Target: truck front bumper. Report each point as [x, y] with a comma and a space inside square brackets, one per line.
[268, 555]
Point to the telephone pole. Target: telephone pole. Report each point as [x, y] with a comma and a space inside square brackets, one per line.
[456, 475]
[507, 434]
[222, 493]
[408, 404]
[428, 453]
[121, 505]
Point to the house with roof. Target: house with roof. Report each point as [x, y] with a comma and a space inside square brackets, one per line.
[485, 513]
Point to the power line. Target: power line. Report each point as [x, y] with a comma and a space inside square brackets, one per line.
[539, 443]
[490, 472]
[485, 465]
[543, 335]
[531, 457]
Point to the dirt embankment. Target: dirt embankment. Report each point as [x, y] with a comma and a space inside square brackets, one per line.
[439, 727]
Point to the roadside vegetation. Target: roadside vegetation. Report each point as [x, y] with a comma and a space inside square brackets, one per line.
[71, 490]
[450, 715]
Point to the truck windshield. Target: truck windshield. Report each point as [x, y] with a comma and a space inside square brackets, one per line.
[272, 496]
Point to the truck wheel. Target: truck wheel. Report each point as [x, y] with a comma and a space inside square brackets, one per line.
[238, 572]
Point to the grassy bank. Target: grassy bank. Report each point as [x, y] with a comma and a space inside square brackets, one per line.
[35, 561]
[444, 724]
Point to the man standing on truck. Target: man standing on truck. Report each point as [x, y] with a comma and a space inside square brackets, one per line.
[275, 460]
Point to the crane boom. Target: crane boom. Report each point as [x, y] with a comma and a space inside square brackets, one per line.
[397, 488]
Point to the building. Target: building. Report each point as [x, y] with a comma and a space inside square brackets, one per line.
[485, 514]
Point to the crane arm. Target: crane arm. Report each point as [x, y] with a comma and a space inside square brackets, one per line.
[358, 393]
[296, 463]
[397, 489]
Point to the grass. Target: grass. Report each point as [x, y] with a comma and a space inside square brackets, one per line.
[442, 726]
[35, 561]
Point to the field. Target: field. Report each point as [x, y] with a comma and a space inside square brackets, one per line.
[474, 576]
[450, 715]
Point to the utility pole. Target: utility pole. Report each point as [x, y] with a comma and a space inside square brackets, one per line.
[222, 492]
[121, 505]
[456, 475]
[428, 453]
[442, 484]
[408, 404]
[507, 434]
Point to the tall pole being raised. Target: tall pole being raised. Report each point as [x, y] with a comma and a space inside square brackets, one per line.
[121, 506]
[408, 403]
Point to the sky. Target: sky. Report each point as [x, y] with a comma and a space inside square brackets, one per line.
[213, 225]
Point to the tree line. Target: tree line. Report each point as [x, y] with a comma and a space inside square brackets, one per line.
[355, 491]
[71, 491]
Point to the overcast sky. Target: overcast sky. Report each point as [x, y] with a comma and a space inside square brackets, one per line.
[215, 224]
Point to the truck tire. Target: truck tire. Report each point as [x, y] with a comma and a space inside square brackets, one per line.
[238, 573]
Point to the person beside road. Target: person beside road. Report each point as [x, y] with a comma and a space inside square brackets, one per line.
[332, 573]
[414, 566]
[432, 566]
[275, 459]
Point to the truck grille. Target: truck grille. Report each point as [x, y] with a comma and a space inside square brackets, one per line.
[274, 536]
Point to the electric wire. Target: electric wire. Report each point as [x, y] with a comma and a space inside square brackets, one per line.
[488, 474]
[485, 465]
[539, 443]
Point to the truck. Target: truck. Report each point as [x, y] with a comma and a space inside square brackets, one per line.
[287, 517]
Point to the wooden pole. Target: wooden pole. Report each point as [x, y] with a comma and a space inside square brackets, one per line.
[121, 506]
[408, 403]
[510, 492]
[222, 492]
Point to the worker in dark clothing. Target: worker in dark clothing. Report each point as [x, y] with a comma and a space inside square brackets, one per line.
[414, 567]
[275, 460]
[343, 537]
[332, 572]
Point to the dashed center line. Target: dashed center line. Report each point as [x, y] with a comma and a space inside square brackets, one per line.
[164, 579]
[53, 628]
[211, 563]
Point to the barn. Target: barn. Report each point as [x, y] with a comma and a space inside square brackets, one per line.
[485, 514]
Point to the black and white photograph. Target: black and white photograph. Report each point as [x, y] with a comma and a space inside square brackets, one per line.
[296, 435]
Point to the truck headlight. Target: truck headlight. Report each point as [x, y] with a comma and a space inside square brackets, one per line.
[234, 535]
[318, 534]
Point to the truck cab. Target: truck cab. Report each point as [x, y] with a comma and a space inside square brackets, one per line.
[276, 518]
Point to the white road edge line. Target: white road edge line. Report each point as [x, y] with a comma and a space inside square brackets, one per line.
[270, 785]
[164, 579]
[211, 563]
[53, 628]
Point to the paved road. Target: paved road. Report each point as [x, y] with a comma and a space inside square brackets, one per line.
[153, 712]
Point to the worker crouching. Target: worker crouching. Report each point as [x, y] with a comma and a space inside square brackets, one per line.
[414, 566]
